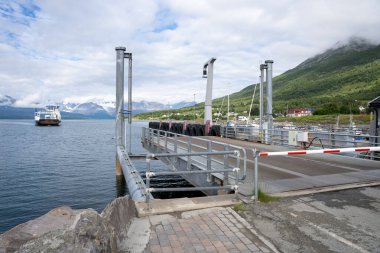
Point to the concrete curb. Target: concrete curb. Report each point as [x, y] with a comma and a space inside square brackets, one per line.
[325, 189]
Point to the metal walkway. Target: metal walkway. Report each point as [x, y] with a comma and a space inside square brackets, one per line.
[279, 174]
[292, 173]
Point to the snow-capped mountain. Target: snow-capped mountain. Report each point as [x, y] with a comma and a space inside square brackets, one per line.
[83, 108]
[6, 100]
[182, 104]
[147, 106]
[108, 107]
[96, 108]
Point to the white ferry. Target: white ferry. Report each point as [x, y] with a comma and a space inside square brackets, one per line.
[49, 116]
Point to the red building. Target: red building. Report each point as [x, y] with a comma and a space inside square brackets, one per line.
[298, 112]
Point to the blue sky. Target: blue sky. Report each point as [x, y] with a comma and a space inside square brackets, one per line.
[64, 50]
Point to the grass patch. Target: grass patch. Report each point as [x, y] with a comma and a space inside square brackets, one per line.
[240, 207]
[263, 197]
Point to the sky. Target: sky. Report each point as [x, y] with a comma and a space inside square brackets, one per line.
[64, 50]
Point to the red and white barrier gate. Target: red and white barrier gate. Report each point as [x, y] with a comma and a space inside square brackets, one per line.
[257, 154]
[319, 151]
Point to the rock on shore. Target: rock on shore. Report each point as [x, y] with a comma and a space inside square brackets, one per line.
[66, 230]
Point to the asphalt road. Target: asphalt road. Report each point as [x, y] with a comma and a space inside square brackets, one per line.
[343, 221]
[279, 174]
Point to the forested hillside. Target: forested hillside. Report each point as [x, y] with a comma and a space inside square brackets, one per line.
[336, 81]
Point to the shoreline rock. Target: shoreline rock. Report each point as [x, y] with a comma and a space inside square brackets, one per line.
[67, 230]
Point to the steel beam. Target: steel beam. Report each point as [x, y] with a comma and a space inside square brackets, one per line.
[208, 72]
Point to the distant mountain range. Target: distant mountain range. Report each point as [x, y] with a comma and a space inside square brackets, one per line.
[87, 110]
[6, 100]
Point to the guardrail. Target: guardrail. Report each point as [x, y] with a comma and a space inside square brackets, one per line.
[314, 139]
[257, 154]
[178, 143]
[210, 171]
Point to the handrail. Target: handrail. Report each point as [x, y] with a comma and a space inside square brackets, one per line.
[192, 154]
[280, 136]
[150, 174]
[161, 133]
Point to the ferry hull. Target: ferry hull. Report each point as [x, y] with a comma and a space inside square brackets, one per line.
[48, 122]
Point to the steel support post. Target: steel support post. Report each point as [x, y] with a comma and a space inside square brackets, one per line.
[209, 149]
[208, 71]
[158, 140]
[154, 139]
[148, 168]
[236, 183]
[151, 137]
[119, 124]
[226, 156]
[120, 132]
[238, 161]
[262, 68]
[269, 98]
[175, 142]
[256, 172]
[244, 164]
[166, 141]
[189, 151]
[129, 56]
[332, 140]
[282, 137]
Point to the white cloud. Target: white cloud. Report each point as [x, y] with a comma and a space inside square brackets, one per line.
[31, 100]
[83, 99]
[65, 49]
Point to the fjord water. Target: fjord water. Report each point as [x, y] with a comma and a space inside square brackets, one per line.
[46, 167]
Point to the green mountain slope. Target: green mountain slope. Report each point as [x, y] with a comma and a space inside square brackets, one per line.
[339, 76]
[336, 81]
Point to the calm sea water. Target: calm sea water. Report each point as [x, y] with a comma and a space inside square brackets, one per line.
[45, 167]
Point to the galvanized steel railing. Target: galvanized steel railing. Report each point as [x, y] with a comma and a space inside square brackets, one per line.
[209, 171]
[171, 142]
[315, 139]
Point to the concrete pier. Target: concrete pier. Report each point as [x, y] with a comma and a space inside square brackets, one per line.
[286, 175]
[208, 224]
